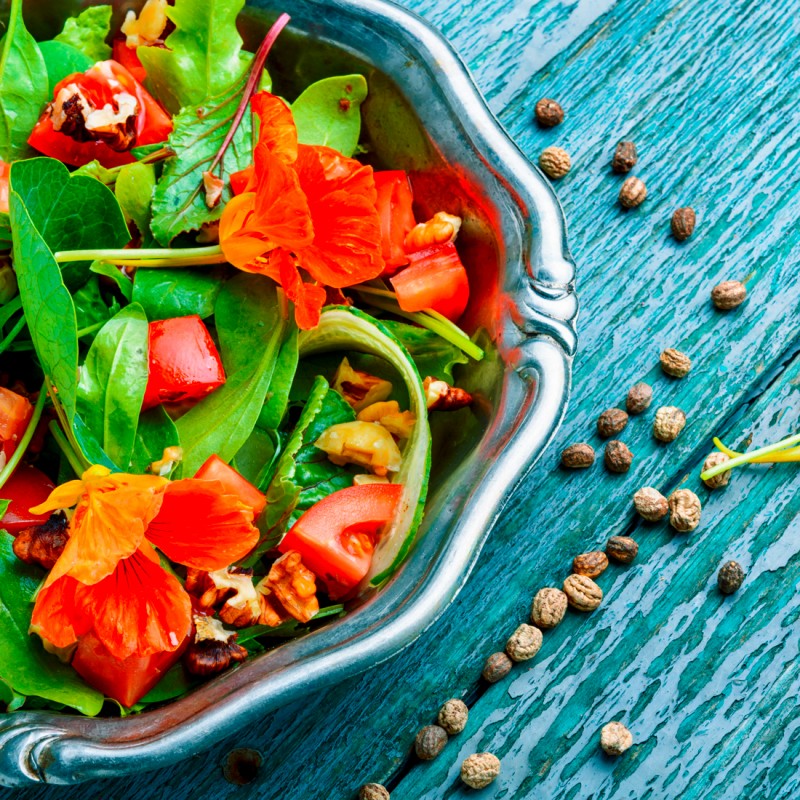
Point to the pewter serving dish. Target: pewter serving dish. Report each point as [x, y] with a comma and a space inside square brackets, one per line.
[424, 115]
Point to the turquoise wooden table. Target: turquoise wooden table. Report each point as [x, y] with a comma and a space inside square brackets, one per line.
[708, 685]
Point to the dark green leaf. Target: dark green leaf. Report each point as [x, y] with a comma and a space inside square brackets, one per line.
[5, 231]
[167, 293]
[175, 683]
[123, 282]
[24, 665]
[88, 32]
[256, 456]
[432, 354]
[277, 400]
[156, 432]
[134, 191]
[90, 308]
[329, 113]
[62, 59]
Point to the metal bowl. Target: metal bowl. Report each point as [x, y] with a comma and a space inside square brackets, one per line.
[424, 115]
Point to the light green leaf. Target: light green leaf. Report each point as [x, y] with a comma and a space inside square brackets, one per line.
[88, 32]
[134, 191]
[277, 399]
[62, 59]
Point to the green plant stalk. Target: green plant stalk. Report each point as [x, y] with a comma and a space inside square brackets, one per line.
[16, 456]
[22, 347]
[66, 448]
[137, 256]
[66, 429]
[745, 458]
[13, 333]
[175, 263]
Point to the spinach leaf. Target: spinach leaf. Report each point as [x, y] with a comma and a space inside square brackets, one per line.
[90, 308]
[124, 284]
[432, 354]
[94, 169]
[88, 32]
[5, 231]
[277, 399]
[23, 86]
[329, 112]
[175, 683]
[112, 383]
[251, 330]
[156, 432]
[134, 191]
[166, 293]
[257, 455]
[203, 55]
[62, 59]
[24, 665]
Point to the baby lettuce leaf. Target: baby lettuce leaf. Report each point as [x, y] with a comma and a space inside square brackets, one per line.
[251, 330]
[134, 191]
[155, 432]
[62, 59]
[166, 293]
[277, 399]
[329, 113]
[432, 354]
[23, 86]
[88, 32]
[24, 665]
[203, 55]
[112, 383]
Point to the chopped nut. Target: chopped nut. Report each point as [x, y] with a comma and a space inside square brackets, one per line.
[622, 549]
[213, 186]
[632, 193]
[684, 510]
[555, 162]
[148, 27]
[590, 564]
[730, 577]
[650, 504]
[213, 648]
[497, 666]
[582, 593]
[549, 607]
[430, 742]
[675, 363]
[718, 481]
[615, 739]
[618, 458]
[294, 585]
[577, 456]
[479, 770]
[611, 422]
[440, 229]
[387, 413]
[669, 422]
[625, 158]
[639, 398]
[43, 544]
[728, 295]
[360, 389]
[170, 458]
[440, 396]
[524, 643]
[364, 479]
[549, 113]
[683, 222]
[367, 444]
[453, 716]
[373, 791]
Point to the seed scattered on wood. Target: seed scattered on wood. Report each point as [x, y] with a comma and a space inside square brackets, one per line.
[549, 113]
[683, 222]
[674, 363]
[583, 593]
[618, 458]
[632, 193]
[684, 510]
[524, 643]
[549, 607]
[453, 716]
[555, 162]
[577, 456]
[615, 739]
[718, 481]
[430, 742]
[590, 564]
[622, 549]
[480, 769]
[611, 422]
[650, 504]
[497, 666]
[625, 158]
[639, 398]
[728, 295]
[669, 422]
[730, 577]
[373, 791]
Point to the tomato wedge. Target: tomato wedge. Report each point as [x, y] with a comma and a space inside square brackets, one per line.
[215, 469]
[5, 170]
[435, 278]
[336, 537]
[396, 215]
[26, 488]
[128, 58]
[15, 414]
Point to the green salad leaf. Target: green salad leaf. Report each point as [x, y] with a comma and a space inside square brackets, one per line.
[124, 284]
[155, 432]
[88, 32]
[62, 59]
[432, 354]
[5, 231]
[166, 293]
[90, 308]
[329, 113]
[133, 189]
[23, 86]
[277, 399]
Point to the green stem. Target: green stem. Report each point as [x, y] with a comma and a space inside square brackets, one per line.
[746, 457]
[65, 256]
[155, 263]
[22, 347]
[16, 456]
[66, 448]
[13, 333]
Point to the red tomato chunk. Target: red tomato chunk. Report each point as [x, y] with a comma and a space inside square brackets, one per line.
[15, 413]
[396, 216]
[26, 488]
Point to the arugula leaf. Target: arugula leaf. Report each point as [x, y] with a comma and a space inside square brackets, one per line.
[156, 431]
[62, 59]
[329, 113]
[167, 293]
[203, 55]
[88, 32]
[134, 191]
[277, 399]
[24, 665]
[432, 354]
[251, 329]
[23, 86]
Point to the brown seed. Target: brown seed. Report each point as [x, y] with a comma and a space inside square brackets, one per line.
[615, 739]
[625, 158]
[549, 607]
[479, 770]
[590, 564]
[373, 791]
[669, 422]
[622, 549]
[632, 193]
[524, 643]
[497, 666]
[611, 422]
[682, 223]
[728, 295]
[453, 716]
[582, 593]
[639, 398]
[577, 456]
[674, 363]
[618, 457]
[718, 481]
[684, 510]
[549, 113]
[650, 504]
[430, 742]
[730, 577]
[555, 162]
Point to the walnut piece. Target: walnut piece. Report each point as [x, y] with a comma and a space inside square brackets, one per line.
[480, 769]
[524, 643]
[440, 229]
[583, 593]
[684, 510]
[718, 481]
[549, 607]
[360, 389]
[453, 716]
[650, 504]
[674, 363]
[43, 544]
[387, 413]
[294, 585]
[147, 28]
[213, 648]
[615, 738]
[366, 444]
[440, 396]
[590, 564]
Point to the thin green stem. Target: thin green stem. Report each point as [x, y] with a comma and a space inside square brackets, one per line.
[65, 256]
[156, 263]
[66, 448]
[22, 446]
[745, 458]
[21, 347]
[13, 333]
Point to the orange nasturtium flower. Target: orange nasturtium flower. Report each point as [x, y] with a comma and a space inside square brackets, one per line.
[306, 211]
[109, 579]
